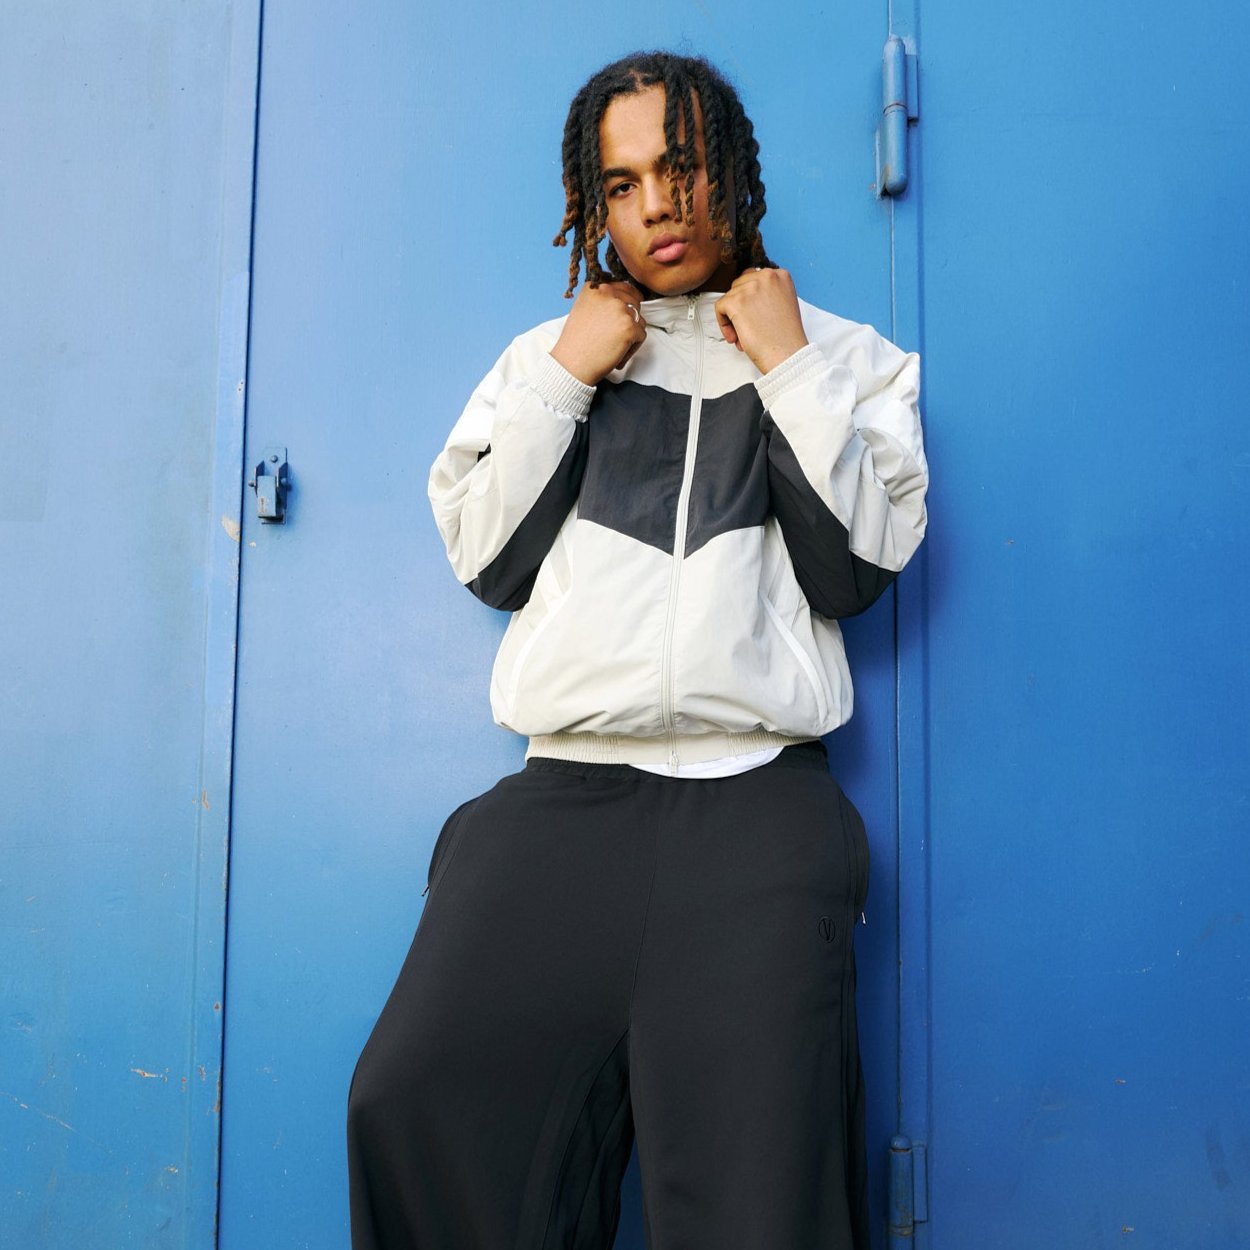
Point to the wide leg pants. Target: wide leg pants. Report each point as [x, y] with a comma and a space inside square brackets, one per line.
[606, 953]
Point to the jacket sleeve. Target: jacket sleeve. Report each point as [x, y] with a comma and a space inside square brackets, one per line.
[510, 471]
[847, 473]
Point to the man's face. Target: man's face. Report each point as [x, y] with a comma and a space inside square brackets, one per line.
[663, 255]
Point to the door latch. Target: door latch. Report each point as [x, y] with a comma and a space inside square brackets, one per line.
[269, 481]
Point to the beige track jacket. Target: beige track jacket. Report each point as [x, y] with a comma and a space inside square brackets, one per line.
[677, 543]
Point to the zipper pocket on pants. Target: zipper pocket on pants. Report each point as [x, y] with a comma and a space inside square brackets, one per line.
[860, 855]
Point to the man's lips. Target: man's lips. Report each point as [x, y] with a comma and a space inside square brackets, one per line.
[668, 247]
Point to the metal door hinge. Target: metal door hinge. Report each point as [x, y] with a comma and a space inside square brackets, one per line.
[909, 1190]
[269, 481]
[900, 105]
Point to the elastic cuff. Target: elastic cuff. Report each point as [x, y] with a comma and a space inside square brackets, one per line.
[801, 366]
[559, 388]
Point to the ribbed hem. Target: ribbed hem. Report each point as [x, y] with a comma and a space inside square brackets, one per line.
[797, 368]
[559, 388]
[594, 748]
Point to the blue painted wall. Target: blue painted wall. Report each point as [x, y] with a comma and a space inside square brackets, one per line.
[407, 195]
[125, 140]
[1060, 868]
[1087, 333]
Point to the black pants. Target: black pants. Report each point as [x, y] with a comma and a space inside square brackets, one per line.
[605, 952]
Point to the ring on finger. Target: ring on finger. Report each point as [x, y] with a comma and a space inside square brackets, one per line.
[634, 310]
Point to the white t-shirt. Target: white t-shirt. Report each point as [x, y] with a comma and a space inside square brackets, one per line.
[727, 766]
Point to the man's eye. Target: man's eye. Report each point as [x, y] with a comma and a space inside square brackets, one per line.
[620, 186]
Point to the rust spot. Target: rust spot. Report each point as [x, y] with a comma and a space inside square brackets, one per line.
[204, 799]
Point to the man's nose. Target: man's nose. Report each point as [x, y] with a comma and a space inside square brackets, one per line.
[657, 200]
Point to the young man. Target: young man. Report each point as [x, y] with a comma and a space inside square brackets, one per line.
[648, 931]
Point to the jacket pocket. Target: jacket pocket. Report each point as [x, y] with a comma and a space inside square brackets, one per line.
[805, 660]
[523, 653]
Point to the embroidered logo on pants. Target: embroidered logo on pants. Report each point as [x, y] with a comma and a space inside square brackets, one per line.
[828, 930]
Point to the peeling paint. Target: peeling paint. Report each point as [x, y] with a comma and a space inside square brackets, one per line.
[204, 800]
[150, 1076]
[231, 526]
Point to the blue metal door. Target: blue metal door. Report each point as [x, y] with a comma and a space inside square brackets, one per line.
[1086, 701]
[407, 191]
[126, 145]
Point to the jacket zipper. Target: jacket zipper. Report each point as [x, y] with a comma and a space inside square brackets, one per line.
[679, 538]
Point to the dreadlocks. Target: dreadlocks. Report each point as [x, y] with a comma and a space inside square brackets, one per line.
[729, 144]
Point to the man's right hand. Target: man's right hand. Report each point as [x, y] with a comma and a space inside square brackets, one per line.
[604, 329]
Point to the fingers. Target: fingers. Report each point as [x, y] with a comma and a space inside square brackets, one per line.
[628, 295]
[624, 360]
[631, 297]
[603, 329]
[640, 337]
[626, 292]
[724, 316]
[760, 314]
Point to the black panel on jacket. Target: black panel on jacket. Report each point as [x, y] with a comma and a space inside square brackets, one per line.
[834, 579]
[634, 463]
[730, 487]
[637, 456]
[506, 582]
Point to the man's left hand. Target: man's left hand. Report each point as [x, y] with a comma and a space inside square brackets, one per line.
[759, 315]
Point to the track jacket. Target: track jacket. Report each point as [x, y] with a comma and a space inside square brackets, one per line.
[677, 543]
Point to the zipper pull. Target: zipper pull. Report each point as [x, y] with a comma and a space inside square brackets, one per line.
[691, 301]
[862, 918]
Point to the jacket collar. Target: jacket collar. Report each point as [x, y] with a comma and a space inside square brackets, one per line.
[668, 312]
